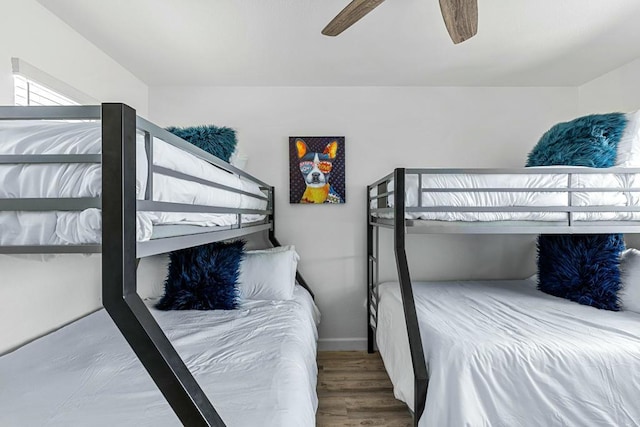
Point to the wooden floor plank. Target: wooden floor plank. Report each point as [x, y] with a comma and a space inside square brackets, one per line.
[355, 384]
[376, 375]
[351, 366]
[354, 390]
[386, 403]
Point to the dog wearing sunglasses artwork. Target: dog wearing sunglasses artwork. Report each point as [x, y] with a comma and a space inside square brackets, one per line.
[315, 169]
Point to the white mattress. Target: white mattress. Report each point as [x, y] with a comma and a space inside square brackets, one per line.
[511, 199]
[84, 180]
[256, 364]
[501, 353]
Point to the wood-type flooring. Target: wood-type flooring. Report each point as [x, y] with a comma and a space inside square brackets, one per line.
[355, 390]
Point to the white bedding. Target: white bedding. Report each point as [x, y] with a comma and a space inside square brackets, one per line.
[256, 364]
[84, 180]
[501, 353]
[510, 199]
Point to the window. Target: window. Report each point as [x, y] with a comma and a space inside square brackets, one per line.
[33, 86]
[28, 92]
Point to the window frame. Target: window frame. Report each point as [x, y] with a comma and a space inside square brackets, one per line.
[47, 90]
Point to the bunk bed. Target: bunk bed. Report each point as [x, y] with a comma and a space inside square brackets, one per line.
[502, 352]
[99, 179]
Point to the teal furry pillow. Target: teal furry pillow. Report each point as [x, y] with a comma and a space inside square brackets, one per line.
[590, 141]
[219, 141]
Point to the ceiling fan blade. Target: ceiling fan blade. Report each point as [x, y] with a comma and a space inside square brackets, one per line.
[460, 18]
[349, 16]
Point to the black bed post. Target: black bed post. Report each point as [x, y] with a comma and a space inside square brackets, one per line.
[411, 318]
[370, 332]
[119, 293]
[274, 241]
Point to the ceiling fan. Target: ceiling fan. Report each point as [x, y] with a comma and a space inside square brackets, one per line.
[460, 17]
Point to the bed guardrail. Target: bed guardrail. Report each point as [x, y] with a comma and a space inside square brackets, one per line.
[50, 204]
[383, 213]
[150, 132]
[386, 210]
[120, 248]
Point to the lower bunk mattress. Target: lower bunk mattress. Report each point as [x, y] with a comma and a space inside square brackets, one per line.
[257, 365]
[502, 353]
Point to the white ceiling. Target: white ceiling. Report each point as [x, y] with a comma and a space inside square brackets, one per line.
[402, 42]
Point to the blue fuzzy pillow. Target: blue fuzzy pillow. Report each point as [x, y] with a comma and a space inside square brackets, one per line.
[581, 268]
[590, 141]
[203, 277]
[219, 141]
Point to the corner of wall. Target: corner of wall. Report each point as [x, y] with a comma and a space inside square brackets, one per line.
[617, 90]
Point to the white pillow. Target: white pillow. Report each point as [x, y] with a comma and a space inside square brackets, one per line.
[629, 145]
[630, 278]
[268, 274]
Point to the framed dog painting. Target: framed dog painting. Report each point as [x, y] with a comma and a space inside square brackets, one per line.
[316, 169]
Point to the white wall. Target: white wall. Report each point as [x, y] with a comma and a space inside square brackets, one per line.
[37, 296]
[384, 128]
[618, 90]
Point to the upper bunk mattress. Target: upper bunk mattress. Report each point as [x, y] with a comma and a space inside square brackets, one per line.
[502, 353]
[256, 364]
[505, 198]
[85, 180]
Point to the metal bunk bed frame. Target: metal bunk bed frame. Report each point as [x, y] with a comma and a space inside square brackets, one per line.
[120, 250]
[401, 227]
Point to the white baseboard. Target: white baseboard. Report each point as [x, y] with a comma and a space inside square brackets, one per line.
[342, 344]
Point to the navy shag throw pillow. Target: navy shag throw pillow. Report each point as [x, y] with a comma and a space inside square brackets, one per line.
[590, 141]
[203, 277]
[219, 141]
[581, 268]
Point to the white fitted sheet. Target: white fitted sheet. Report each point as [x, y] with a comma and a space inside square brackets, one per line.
[502, 353]
[510, 199]
[84, 180]
[256, 364]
